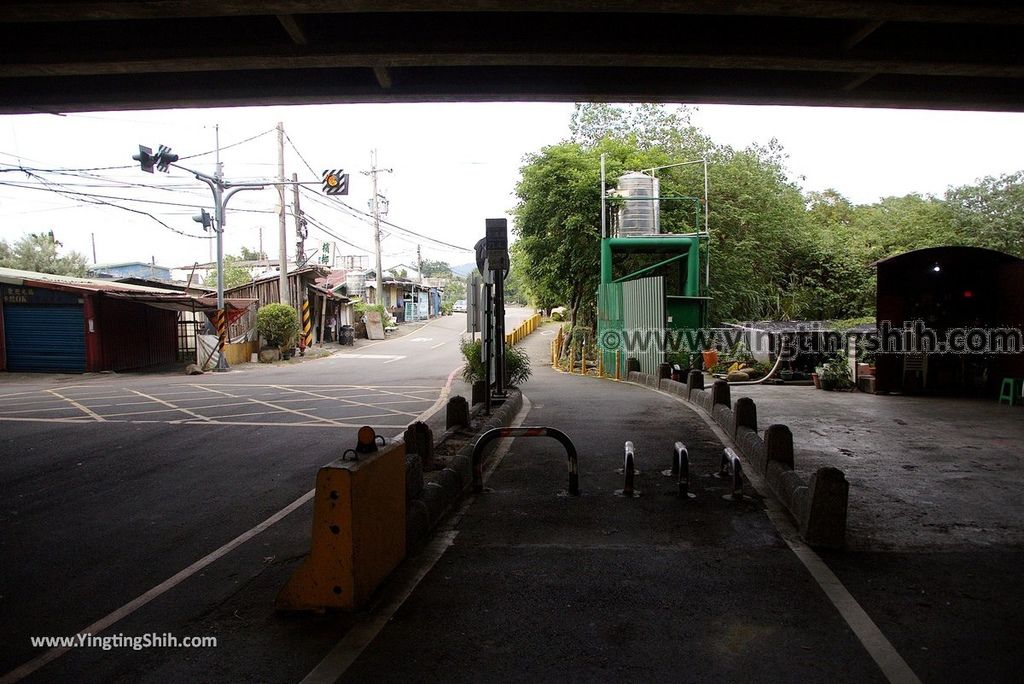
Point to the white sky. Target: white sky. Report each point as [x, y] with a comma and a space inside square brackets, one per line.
[454, 166]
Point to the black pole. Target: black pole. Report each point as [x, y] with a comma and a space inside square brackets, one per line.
[499, 333]
[488, 344]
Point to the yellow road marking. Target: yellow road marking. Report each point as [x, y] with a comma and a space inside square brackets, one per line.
[84, 409]
[170, 405]
[347, 401]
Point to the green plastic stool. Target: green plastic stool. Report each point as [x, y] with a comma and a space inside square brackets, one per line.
[1010, 391]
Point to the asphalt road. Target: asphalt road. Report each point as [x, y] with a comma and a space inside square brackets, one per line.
[112, 485]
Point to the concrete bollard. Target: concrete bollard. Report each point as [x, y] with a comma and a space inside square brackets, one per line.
[457, 412]
[778, 445]
[824, 523]
[695, 380]
[745, 413]
[720, 393]
[419, 439]
[479, 392]
[413, 476]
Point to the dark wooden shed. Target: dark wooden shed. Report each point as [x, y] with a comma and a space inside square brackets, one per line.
[954, 307]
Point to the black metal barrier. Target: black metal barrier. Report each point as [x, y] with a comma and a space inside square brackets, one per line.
[498, 433]
[731, 462]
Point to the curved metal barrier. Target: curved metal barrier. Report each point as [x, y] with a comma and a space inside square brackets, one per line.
[731, 462]
[498, 433]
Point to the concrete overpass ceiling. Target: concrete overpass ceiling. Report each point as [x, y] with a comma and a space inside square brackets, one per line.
[63, 55]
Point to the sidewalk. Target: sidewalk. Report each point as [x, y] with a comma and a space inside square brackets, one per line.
[542, 587]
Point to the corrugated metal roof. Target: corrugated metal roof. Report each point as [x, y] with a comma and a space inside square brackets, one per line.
[13, 276]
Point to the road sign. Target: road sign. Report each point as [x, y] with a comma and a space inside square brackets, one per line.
[496, 244]
[335, 182]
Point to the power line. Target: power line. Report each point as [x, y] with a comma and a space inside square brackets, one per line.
[101, 200]
[388, 223]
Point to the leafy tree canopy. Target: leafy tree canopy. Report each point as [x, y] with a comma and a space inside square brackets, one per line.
[39, 252]
[775, 252]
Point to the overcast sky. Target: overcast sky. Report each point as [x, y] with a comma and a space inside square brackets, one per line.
[452, 167]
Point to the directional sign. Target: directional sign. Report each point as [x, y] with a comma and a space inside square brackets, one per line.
[335, 182]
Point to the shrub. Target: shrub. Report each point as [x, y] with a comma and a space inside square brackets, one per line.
[517, 363]
[278, 324]
[385, 317]
[835, 374]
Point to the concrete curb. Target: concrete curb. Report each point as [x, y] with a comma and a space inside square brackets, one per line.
[434, 499]
[818, 508]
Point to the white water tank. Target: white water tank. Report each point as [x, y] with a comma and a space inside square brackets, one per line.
[638, 214]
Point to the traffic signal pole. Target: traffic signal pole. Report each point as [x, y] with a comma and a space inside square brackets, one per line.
[222, 191]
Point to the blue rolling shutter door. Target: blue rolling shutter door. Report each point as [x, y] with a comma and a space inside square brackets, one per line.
[45, 338]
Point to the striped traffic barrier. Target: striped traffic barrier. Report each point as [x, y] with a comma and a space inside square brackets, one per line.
[307, 326]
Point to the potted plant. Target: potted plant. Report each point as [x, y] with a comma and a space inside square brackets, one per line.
[278, 324]
[835, 374]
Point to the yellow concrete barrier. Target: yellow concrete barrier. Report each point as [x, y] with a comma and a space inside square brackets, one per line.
[358, 533]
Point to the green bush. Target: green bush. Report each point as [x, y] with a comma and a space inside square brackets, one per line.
[835, 374]
[557, 316]
[517, 363]
[278, 324]
[362, 307]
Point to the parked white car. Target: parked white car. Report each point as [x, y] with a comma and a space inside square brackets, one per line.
[459, 306]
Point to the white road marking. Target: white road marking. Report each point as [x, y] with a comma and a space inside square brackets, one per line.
[397, 358]
[404, 582]
[359, 637]
[421, 339]
[393, 357]
[127, 609]
[439, 344]
[109, 620]
[881, 650]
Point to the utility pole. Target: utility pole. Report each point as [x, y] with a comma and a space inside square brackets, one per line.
[419, 263]
[300, 223]
[372, 173]
[93, 248]
[283, 230]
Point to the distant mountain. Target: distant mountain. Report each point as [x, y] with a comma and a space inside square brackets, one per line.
[464, 270]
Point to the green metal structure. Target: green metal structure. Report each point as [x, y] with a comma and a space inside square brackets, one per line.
[630, 304]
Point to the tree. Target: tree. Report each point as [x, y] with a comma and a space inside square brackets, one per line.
[235, 274]
[253, 255]
[990, 213]
[38, 252]
[436, 269]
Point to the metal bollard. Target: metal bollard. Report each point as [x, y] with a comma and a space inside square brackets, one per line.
[629, 470]
[731, 462]
[681, 466]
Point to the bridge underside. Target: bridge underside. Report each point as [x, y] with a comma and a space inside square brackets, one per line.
[93, 55]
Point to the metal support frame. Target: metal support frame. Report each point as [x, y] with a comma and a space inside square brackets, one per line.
[498, 433]
[731, 465]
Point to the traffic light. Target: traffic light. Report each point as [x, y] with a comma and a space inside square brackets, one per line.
[145, 158]
[164, 158]
[335, 182]
[204, 218]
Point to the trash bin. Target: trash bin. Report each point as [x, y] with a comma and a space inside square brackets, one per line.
[347, 335]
